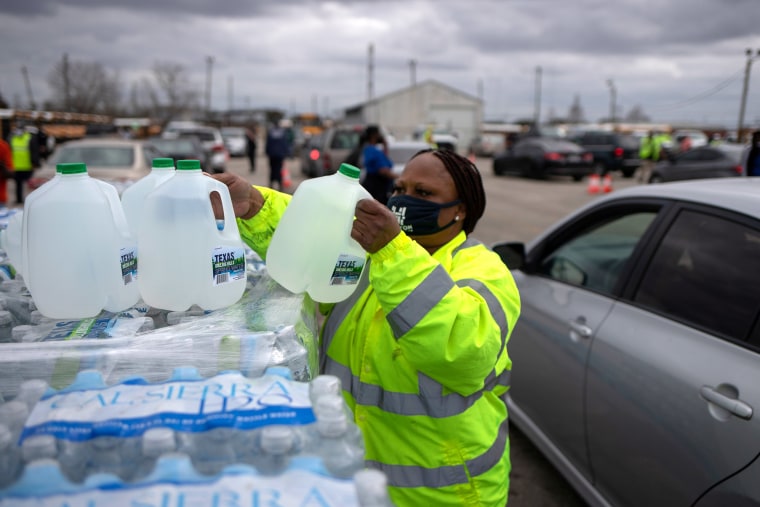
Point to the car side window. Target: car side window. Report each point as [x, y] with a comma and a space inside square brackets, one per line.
[595, 257]
[704, 273]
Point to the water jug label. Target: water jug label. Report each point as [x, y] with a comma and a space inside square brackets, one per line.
[294, 488]
[128, 264]
[228, 264]
[229, 400]
[347, 270]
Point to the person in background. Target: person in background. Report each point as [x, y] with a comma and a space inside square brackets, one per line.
[42, 142]
[251, 146]
[752, 167]
[684, 144]
[378, 177]
[277, 150]
[26, 157]
[6, 171]
[649, 153]
[421, 345]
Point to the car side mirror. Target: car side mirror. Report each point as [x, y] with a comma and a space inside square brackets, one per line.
[512, 254]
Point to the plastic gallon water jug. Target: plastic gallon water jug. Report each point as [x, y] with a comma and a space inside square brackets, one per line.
[185, 259]
[78, 255]
[133, 197]
[312, 249]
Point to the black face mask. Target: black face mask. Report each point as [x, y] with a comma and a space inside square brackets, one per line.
[418, 217]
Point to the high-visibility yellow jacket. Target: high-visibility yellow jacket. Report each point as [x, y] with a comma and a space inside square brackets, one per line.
[649, 149]
[420, 348]
[22, 153]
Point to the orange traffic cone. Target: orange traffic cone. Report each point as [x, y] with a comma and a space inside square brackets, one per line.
[286, 181]
[593, 184]
[607, 184]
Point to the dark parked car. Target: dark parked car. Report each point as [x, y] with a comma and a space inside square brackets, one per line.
[540, 157]
[324, 153]
[182, 148]
[718, 161]
[637, 352]
[612, 151]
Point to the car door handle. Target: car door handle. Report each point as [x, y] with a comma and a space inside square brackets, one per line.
[735, 406]
[580, 328]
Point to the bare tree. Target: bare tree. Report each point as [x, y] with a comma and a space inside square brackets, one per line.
[637, 115]
[575, 114]
[84, 87]
[168, 95]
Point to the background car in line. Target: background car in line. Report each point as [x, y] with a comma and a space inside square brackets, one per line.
[181, 148]
[712, 161]
[540, 157]
[211, 139]
[324, 153]
[401, 151]
[612, 151]
[117, 161]
[235, 140]
[637, 353]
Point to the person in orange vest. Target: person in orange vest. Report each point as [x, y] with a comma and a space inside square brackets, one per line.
[6, 171]
[26, 157]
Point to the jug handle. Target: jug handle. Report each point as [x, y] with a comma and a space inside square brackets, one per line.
[120, 219]
[230, 225]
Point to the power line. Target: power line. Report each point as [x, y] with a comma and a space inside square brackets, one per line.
[701, 96]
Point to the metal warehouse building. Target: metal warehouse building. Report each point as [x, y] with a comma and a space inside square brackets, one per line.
[429, 103]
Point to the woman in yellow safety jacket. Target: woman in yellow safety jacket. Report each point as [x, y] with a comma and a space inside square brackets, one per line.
[421, 345]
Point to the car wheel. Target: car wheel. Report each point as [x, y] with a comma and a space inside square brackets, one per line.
[577, 177]
[656, 178]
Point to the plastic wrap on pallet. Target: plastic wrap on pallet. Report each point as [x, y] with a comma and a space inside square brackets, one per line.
[268, 326]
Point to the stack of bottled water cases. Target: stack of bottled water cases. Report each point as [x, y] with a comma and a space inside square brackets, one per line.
[189, 440]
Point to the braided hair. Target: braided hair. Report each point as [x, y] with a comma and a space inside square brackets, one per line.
[468, 183]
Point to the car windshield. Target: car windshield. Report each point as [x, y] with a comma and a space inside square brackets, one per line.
[203, 135]
[96, 156]
[233, 132]
[174, 145]
[402, 154]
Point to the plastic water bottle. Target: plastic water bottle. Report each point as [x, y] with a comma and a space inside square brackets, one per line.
[213, 450]
[133, 198]
[340, 444]
[73, 458]
[372, 488]
[30, 392]
[39, 447]
[9, 457]
[10, 240]
[276, 443]
[324, 385]
[6, 326]
[312, 249]
[13, 415]
[155, 443]
[78, 255]
[184, 258]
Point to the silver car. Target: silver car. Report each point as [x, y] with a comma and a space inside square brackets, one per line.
[636, 360]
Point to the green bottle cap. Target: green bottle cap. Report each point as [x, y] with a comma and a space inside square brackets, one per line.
[350, 171]
[71, 168]
[188, 165]
[163, 162]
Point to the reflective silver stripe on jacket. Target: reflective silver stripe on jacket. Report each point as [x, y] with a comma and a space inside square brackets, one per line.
[430, 401]
[420, 301]
[410, 476]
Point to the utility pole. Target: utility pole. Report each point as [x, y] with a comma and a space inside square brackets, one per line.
[370, 72]
[613, 101]
[29, 94]
[66, 83]
[743, 105]
[413, 71]
[537, 110]
[209, 65]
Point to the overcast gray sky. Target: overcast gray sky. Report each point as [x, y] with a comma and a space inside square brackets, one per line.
[680, 60]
